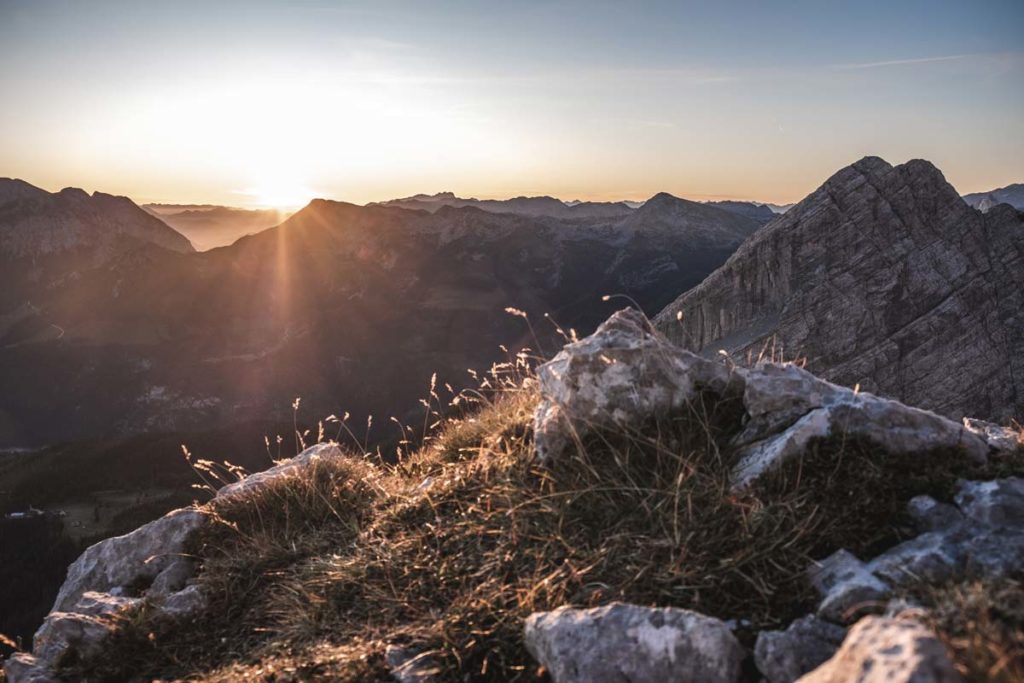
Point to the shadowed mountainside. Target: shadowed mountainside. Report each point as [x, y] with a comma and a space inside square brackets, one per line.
[352, 308]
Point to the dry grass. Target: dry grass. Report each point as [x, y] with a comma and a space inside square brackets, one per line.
[449, 550]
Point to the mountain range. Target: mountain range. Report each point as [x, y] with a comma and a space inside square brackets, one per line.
[1011, 194]
[208, 226]
[352, 308]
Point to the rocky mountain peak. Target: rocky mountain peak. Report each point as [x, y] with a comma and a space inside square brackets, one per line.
[878, 277]
[46, 223]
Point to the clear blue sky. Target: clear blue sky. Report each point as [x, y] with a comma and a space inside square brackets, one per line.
[267, 103]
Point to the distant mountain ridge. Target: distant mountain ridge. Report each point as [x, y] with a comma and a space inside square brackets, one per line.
[529, 206]
[1011, 194]
[882, 277]
[49, 239]
[209, 226]
[35, 223]
[351, 307]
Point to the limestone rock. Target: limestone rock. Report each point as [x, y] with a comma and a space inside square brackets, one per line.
[626, 373]
[847, 586]
[80, 630]
[981, 538]
[287, 468]
[930, 515]
[784, 656]
[138, 557]
[623, 374]
[884, 277]
[621, 642]
[22, 667]
[887, 650]
[184, 603]
[998, 503]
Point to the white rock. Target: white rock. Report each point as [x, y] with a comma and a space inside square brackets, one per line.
[81, 630]
[623, 374]
[138, 557]
[621, 642]
[887, 650]
[626, 374]
[776, 395]
[998, 503]
[288, 468]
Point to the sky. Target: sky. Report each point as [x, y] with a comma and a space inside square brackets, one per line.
[271, 103]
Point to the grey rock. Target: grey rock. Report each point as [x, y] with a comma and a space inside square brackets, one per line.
[623, 374]
[998, 503]
[884, 277]
[621, 642]
[138, 557]
[887, 650]
[931, 515]
[184, 603]
[784, 656]
[932, 557]
[998, 438]
[847, 586]
[626, 373]
[994, 554]
[777, 394]
[22, 667]
[82, 630]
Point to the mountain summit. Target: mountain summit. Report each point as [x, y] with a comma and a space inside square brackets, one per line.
[882, 277]
[35, 223]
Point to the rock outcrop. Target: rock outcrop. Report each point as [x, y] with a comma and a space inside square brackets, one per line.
[626, 373]
[981, 537]
[147, 566]
[620, 642]
[882, 277]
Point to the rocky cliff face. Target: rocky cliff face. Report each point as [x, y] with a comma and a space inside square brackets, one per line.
[882, 277]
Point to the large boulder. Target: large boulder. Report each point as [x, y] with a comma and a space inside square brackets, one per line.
[138, 558]
[621, 642]
[887, 650]
[621, 376]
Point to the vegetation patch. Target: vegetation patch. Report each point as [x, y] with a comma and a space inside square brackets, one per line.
[447, 552]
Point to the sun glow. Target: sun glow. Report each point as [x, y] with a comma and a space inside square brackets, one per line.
[279, 193]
